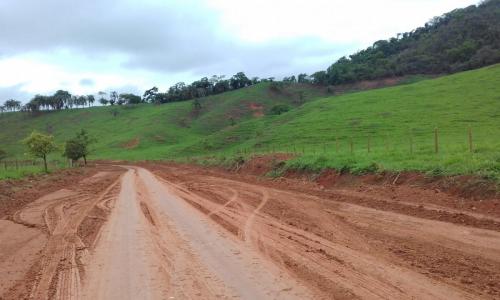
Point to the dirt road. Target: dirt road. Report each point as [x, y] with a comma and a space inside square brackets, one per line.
[170, 232]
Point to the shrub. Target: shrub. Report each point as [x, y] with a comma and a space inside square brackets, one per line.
[279, 109]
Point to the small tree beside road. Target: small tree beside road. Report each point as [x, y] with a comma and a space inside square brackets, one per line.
[78, 147]
[40, 145]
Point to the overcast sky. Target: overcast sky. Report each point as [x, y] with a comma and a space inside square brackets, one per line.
[131, 45]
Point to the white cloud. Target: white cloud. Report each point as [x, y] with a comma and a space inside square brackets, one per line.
[337, 21]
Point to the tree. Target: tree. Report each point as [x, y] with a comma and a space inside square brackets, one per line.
[73, 150]
[102, 98]
[12, 105]
[239, 80]
[40, 145]
[79, 146]
[81, 101]
[103, 101]
[90, 99]
[130, 98]
[150, 95]
[85, 141]
[303, 78]
[255, 80]
[290, 79]
[60, 99]
[319, 77]
[113, 98]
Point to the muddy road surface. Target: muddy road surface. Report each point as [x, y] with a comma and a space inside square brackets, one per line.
[179, 232]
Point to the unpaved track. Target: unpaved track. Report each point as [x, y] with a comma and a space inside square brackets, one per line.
[166, 232]
[133, 259]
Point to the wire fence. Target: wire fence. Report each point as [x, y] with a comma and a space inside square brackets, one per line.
[23, 164]
[414, 142]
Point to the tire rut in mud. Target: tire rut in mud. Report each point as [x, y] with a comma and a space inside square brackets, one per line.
[71, 221]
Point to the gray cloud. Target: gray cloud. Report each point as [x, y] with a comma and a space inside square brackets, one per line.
[159, 36]
[14, 92]
[87, 82]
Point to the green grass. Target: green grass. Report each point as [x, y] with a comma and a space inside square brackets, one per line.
[20, 171]
[388, 117]
[158, 131]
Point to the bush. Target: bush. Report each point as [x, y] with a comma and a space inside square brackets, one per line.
[279, 109]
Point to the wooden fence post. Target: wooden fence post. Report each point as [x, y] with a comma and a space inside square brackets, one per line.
[351, 145]
[411, 142]
[369, 144]
[436, 140]
[471, 148]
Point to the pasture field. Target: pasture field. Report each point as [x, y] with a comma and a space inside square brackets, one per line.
[390, 128]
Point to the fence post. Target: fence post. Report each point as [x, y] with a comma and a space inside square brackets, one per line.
[351, 145]
[369, 143]
[471, 148]
[336, 144]
[436, 140]
[411, 142]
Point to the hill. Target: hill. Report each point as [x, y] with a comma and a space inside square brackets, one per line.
[462, 39]
[384, 129]
[147, 130]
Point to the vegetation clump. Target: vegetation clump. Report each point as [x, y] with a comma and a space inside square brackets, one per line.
[40, 145]
[279, 109]
[78, 146]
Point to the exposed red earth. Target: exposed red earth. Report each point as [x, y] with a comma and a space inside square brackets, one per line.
[171, 231]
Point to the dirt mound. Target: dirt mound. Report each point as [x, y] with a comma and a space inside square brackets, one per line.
[260, 165]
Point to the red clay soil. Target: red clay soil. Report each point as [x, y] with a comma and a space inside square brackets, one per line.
[310, 230]
[38, 232]
[260, 165]
[133, 143]
[257, 109]
[14, 194]
[165, 230]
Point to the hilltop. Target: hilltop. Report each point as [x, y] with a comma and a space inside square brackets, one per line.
[462, 39]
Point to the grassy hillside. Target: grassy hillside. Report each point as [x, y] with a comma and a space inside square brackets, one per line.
[150, 131]
[392, 120]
